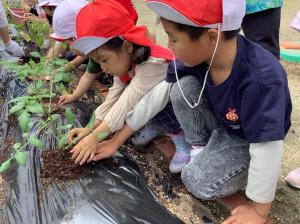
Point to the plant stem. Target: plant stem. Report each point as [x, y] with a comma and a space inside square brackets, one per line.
[34, 134]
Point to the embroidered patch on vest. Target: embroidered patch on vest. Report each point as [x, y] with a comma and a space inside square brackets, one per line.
[231, 115]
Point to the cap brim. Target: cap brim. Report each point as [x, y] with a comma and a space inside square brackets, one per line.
[86, 45]
[58, 38]
[43, 4]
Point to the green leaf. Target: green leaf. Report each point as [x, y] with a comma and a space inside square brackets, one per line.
[62, 89]
[39, 41]
[21, 158]
[66, 77]
[25, 135]
[69, 115]
[35, 108]
[36, 142]
[19, 106]
[54, 117]
[58, 77]
[24, 121]
[25, 36]
[17, 145]
[92, 121]
[64, 127]
[4, 166]
[35, 54]
[64, 45]
[21, 98]
[62, 141]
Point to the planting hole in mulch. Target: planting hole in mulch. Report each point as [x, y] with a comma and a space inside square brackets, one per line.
[59, 165]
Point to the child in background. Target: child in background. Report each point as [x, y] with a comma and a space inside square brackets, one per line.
[65, 26]
[293, 178]
[261, 23]
[10, 45]
[49, 7]
[111, 39]
[232, 100]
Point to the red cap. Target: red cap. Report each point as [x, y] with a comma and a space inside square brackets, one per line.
[127, 4]
[101, 21]
[202, 13]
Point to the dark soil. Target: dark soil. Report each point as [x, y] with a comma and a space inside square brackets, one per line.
[59, 165]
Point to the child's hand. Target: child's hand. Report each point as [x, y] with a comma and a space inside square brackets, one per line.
[245, 214]
[105, 150]
[85, 150]
[77, 133]
[31, 17]
[67, 98]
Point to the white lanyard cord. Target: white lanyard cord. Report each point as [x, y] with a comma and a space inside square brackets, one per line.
[206, 74]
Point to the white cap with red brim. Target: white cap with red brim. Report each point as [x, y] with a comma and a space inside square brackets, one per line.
[64, 19]
[206, 13]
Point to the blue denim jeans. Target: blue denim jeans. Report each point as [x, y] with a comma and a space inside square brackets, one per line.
[221, 169]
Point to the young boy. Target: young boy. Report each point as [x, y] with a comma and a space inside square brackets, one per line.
[232, 100]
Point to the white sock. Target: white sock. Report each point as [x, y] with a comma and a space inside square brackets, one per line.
[196, 149]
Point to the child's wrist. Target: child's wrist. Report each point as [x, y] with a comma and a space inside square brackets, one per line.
[100, 135]
[261, 212]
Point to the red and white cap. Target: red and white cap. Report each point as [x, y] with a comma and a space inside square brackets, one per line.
[49, 2]
[205, 13]
[64, 19]
[101, 21]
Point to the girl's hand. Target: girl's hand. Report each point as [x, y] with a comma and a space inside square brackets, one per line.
[105, 150]
[245, 214]
[85, 150]
[77, 133]
[67, 98]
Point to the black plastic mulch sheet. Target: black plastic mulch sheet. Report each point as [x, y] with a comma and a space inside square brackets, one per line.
[116, 193]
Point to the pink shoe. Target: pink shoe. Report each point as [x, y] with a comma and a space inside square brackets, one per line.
[293, 178]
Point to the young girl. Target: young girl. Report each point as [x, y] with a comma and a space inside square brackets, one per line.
[64, 20]
[231, 97]
[125, 51]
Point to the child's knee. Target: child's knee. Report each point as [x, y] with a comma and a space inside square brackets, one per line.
[198, 182]
[185, 82]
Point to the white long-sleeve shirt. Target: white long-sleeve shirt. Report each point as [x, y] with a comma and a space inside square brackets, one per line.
[122, 98]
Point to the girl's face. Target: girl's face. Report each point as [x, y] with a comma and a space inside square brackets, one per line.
[116, 63]
[190, 52]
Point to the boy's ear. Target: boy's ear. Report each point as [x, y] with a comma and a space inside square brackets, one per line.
[212, 36]
[128, 46]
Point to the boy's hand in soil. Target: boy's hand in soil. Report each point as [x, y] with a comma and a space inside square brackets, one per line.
[85, 150]
[105, 150]
[77, 133]
[67, 98]
[245, 214]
